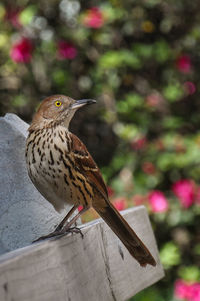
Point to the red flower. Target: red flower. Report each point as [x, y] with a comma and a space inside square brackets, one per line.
[185, 191]
[93, 18]
[21, 51]
[66, 50]
[120, 204]
[80, 208]
[148, 168]
[139, 144]
[183, 63]
[158, 201]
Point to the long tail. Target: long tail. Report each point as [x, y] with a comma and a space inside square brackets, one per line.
[126, 234]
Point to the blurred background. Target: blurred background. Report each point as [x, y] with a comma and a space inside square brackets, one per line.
[141, 61]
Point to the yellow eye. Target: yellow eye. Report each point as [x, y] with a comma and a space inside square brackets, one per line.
[57, 103]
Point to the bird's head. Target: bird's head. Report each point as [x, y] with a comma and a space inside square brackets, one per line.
[57, 109]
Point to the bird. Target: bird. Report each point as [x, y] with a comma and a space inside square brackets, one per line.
[64, 172]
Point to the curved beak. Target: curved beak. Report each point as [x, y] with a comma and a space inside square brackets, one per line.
[80, 103]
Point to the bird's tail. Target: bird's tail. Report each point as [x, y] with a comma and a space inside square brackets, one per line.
[129, 238]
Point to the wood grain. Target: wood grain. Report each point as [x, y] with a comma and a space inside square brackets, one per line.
[96, 267]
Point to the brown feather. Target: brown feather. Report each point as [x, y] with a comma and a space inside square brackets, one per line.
[87, 166]
[102, 205]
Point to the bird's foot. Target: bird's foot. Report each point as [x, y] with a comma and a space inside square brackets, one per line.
[73, 230]
[59, 233]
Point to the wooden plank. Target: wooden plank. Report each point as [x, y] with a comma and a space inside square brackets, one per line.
[96, 267]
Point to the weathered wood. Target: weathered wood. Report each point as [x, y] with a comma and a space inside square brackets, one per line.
[96, 267]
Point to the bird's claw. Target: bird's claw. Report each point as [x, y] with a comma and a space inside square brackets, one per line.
[59, 233]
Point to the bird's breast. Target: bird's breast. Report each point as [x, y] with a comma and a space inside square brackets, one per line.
[52, 170]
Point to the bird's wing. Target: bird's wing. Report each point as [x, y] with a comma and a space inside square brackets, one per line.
[87, 166]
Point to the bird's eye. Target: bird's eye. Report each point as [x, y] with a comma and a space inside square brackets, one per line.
[58, 103]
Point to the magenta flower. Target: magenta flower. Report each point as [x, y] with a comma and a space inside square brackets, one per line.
[182, 290]
[187, 291]
[158, 202]
[21, 51]
[93, 18]
[185, 191]
[12, 16]
[120, 204]
[66, 50]
[195, 292]
[183, 63]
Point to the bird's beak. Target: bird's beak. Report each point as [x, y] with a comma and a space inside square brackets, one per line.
[80, 103]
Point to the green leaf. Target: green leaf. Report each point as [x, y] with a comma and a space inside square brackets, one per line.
[162, 51]
[143, 50]
[130, 102]
[2, 11]
[189, 273]
[27, 14]
[60, 77]
[19, 101]
[173, 92]
[170, 254]
[197, 249]
[116, 59]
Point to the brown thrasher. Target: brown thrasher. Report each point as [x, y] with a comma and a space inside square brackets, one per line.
[63, 171]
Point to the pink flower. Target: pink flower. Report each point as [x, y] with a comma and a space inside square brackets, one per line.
[139, 144]
[93, 18]
[190, 87]
[183, 63]
[154, 100]
[158, 201]
[21, 51]
[185, 191]
[120, 204]
[187, 291]
[66, 50]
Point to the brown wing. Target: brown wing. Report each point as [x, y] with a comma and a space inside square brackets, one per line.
[87, 166]
[102, 205]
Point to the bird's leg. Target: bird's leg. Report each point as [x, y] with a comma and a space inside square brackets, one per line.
[66, 228]
[71, 211]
